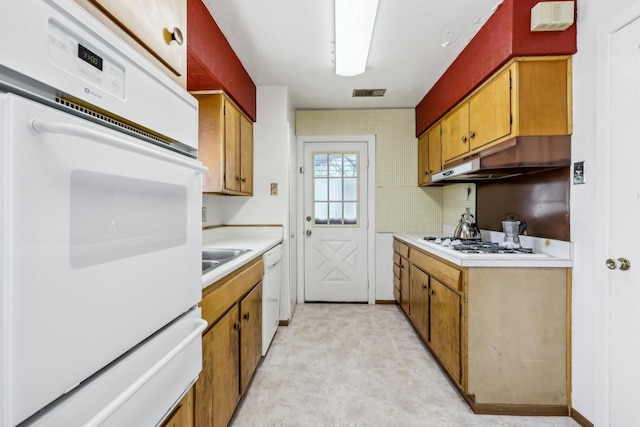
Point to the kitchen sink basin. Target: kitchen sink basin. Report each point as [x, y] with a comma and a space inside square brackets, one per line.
[212, 258]
[209, 265]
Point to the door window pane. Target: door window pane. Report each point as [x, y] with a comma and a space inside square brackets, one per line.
[351, 189]
[321, 193]
[321, 215]
[335, 188]
[320, 165]
[350, 213]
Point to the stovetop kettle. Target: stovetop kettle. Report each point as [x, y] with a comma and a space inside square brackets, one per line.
[467, 228]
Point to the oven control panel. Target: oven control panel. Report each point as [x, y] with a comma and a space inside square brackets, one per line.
[85, 62]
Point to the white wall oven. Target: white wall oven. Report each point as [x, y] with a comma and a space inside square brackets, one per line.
[100, 232]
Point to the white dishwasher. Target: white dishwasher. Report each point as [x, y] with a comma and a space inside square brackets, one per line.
[271, 295]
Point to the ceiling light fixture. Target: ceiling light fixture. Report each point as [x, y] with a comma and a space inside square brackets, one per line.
[354, 27]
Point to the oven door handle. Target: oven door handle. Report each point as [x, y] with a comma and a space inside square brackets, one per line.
[43, 126]
[120, 400]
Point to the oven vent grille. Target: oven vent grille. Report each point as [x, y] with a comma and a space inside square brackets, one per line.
[110, 120]
[358, 93]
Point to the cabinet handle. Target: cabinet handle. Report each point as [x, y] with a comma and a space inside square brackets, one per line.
[237, 178]
[177, 36]
[244, 180]
[431, 292]
[464, 139]
[424, 286]
[236, 326]
[246, 316]
[471, 134]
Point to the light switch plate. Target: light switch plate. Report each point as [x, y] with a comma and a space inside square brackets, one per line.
[578, 173]
[274, 189]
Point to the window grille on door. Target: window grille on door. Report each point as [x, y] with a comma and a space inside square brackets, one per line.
[335, 188]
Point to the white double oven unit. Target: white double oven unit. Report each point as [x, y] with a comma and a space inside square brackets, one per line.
[100, 230]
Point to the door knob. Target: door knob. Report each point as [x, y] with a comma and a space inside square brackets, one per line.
[308, 218]
[308, 233]
[625, 264]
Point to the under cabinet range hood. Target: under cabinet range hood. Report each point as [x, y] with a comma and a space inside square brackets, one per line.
[517, 156]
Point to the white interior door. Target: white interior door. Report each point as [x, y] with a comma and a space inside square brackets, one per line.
[335, 222]
[622, 87]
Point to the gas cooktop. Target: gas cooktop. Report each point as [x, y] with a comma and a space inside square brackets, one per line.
[475, 246]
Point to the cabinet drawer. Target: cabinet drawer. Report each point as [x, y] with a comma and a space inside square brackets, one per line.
[221, 295]
[396, 258]
[400, 248]
[448, 275]
[396, 271]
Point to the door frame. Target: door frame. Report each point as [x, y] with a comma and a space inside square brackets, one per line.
[371, 207]
[602, 183]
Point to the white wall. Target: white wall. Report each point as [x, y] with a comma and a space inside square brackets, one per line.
[587, 394]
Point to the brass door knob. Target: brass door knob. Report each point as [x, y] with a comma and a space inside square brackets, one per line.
[177, 36]
[625, 264]
[611, 264]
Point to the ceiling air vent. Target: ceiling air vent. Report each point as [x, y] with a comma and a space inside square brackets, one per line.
[368, 92]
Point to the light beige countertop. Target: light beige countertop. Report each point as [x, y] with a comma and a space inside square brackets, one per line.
[538, 259]
[258, 239]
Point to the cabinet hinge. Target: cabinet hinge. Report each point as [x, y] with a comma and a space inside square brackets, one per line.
[510, 83]
[301, 169]
[460, 311]
[510, 118]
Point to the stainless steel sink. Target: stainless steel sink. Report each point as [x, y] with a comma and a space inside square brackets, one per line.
[209, 265]
[212, 258]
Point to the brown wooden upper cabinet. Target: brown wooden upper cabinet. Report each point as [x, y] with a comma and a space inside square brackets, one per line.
[159, 26]
[429, 154]
[530, 96]
[225, 145]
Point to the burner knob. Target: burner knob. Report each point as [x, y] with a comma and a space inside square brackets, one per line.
[438, 240]
[446, 242]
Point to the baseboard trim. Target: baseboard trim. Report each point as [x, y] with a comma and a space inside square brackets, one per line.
[386, 301]
[522, 410]
[283, 323]
[580, 419]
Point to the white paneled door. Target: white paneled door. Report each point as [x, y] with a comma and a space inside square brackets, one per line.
[335, 221]
[619, 254]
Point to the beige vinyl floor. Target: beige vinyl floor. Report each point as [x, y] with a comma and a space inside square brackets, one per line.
[358, 365]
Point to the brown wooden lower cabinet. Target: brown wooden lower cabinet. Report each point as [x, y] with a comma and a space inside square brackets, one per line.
[231, 346]
[419, 292]
[446, 311]
[182, 415]
[501, 334]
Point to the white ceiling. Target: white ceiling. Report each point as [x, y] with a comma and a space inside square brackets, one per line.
[290, 43]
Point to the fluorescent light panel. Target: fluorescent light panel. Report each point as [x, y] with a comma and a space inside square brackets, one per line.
[354, 28]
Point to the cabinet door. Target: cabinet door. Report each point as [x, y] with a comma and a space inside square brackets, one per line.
[435, 150]
[217, 388]
[490, 111]
[420, 301]
[155, 25]
[445, 331]
[423, 159]
[250, 335]
[246, 155]
[405, 292]
[455, 129]
[232, 147]
[182, 415]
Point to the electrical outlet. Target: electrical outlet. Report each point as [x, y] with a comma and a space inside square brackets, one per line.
[578, 173]
[204, 214]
